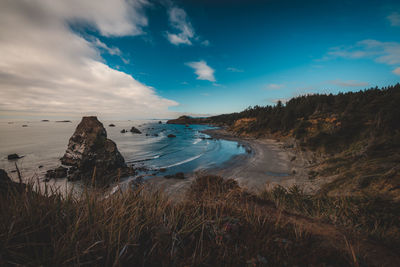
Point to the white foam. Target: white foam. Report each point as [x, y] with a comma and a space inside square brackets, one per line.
[184, 161]
[196, 141]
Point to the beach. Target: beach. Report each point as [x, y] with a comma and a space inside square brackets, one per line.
[266, 164]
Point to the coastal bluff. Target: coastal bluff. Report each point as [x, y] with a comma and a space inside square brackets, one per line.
[92, 156]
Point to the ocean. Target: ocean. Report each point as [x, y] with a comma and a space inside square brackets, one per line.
[42, 144]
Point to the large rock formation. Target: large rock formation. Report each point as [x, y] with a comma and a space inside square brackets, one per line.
[92, 155]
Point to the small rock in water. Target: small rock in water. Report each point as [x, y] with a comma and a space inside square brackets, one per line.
[171, 135]
[24, 125]
[135, 130]
[111, 125]
[162, 170]
[160, 122]
[123, 131]
[13, 156]
[40, 166]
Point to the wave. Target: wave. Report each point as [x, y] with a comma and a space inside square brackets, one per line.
[145, 159]
[196, 141]
[183, 162]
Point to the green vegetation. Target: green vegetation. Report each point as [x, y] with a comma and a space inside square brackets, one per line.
[339, 119]
[216, 224]
[359, 132]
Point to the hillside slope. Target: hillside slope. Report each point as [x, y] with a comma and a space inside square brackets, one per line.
[355, 136]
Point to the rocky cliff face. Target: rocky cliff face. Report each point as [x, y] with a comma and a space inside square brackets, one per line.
[91, 154]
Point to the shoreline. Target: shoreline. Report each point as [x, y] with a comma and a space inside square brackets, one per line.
[268, 163]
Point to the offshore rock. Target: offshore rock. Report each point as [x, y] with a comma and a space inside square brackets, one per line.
[92, 155]
[13, 156]
[135, 130]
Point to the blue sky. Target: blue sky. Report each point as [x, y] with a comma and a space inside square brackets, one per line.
[202, 57]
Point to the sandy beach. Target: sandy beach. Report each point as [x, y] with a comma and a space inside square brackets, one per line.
[268, 163]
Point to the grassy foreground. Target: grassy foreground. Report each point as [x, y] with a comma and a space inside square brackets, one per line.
[217, 224]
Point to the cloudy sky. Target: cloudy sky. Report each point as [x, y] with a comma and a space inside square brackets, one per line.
[157, 59]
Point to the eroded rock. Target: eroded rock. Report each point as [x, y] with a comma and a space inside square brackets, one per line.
[13, 156]
[135, 130]
[92, 155]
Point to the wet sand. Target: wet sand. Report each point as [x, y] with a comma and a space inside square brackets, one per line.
[267, 163]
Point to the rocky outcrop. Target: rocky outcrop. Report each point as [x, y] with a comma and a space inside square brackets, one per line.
[59, 172]
[135, 130]
[13, 156]
[189, 120]
[92, 155]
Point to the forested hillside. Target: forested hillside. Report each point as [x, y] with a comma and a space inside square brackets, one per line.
[329, 121]
[356, 136]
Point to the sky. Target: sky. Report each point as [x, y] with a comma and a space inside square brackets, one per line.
[131, 59]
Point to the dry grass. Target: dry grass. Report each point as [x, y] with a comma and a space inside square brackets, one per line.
[217, 224]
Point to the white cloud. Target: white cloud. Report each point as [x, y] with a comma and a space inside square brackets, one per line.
[381, 52]
[178, 39]
[396, 71]
[180, 22]
[232, 69]
[394, 19]
[47, 68]
[275, 86]
[205, 43]
[111, 18]
[202, 70]
[111, 50]
[351, 83]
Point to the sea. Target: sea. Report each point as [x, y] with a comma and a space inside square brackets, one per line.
[42, 143]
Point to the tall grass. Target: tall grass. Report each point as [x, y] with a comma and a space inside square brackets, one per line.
[216, 224]
[376, 216]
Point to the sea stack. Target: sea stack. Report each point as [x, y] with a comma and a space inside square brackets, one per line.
[92, 155]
